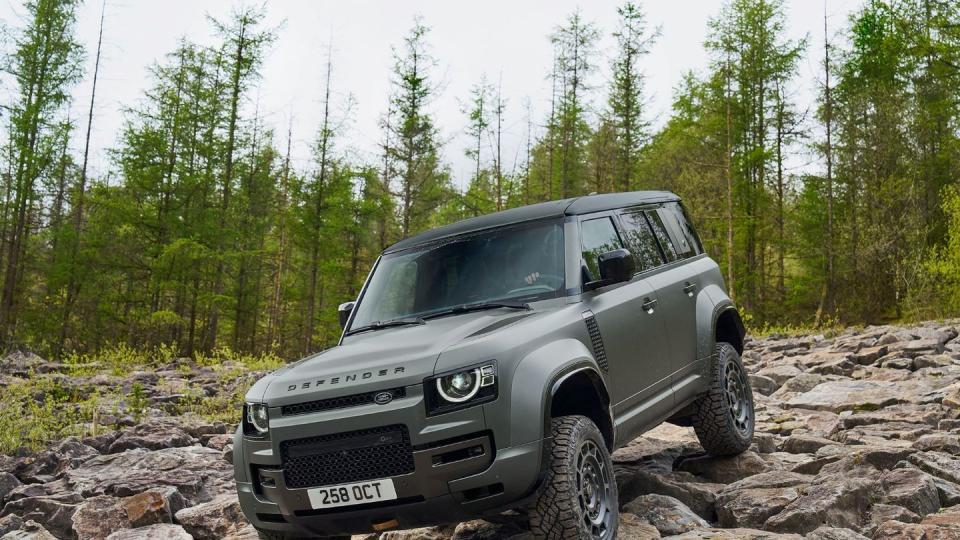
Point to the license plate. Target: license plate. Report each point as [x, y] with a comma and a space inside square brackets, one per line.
[355, 493]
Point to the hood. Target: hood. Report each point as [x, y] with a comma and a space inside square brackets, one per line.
[378, 359]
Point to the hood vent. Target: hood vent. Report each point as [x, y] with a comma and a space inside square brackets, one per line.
[596, 340]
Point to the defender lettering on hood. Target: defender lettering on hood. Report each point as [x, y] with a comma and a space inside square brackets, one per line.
[366, 375]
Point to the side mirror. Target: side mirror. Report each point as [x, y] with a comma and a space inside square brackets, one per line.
[343, 311]
[616, 266]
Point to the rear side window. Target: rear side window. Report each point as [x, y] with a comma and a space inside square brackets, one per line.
[597, 236]
[678, 224]
[642, 243]
[669, 251]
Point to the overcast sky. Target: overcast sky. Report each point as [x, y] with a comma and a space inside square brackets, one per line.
[507, 40]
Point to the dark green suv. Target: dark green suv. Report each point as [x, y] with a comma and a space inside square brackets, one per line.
[496, 363]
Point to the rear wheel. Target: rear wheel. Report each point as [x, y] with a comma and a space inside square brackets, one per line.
[724, 416]
[578, 498]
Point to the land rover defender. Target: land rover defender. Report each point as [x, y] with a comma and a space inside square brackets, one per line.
[495, 363]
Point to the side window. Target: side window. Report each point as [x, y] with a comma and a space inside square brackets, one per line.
[669, 251]
[685, 238]
[597, 236]
[640, 238]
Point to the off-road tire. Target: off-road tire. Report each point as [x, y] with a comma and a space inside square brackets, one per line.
[578, 456]
[725, 427]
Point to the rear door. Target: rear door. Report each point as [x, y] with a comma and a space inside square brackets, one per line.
[625, 319]
[677, 284]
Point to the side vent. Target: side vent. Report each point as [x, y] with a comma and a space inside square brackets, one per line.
[596, 340]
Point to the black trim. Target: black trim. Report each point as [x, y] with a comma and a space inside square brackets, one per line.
[341, 402]
[596, 340]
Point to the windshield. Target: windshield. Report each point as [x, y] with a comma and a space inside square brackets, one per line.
[523, 262]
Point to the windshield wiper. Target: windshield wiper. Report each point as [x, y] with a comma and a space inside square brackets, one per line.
[479, 306]
[379, 325]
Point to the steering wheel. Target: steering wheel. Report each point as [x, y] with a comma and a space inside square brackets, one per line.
[546, 283]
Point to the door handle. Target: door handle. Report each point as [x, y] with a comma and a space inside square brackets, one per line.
[648, 305]
[689, 288]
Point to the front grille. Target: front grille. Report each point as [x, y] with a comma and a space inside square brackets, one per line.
[342, 402]
[352, 456]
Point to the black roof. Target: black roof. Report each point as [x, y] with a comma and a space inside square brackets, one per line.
[552, 209]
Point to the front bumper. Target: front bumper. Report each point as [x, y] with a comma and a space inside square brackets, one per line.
[459, 473]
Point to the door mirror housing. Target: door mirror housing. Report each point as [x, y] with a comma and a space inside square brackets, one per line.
[616, 266]
[343, 311]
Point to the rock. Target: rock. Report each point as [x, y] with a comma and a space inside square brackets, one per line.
[219, 441]
[163, 531]
[780, 373]
[31, 530]
[938, 441]
[54, 512]
[898, 363]
[424, 533]
[752, 501]
[765, 442]
[934, 361]
[734, 534]
[835, 533]
[912, 489]
[97, 517]
[882, 513]
[845, 395]
[8, 483]
[698, 496]
[152, 436]
[215, 519]
[804, 444]
[667, 514]
[479, 529]
[868, 355]
[725, 469]
[942, 525]
[44, 466]
[10, 523]
[634, 528]
[763, 385]
[938, 464]
[841, 502]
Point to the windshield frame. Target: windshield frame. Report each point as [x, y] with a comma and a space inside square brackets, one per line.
[563, 291]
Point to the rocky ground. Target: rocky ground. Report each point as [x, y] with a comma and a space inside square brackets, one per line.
[858, 436]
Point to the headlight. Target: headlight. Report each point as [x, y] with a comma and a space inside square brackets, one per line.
[462, 388]
[257, 419]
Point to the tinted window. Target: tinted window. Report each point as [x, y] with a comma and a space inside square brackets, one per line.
[685, 238]
[641, 241]
[597, 236]
[661, 233]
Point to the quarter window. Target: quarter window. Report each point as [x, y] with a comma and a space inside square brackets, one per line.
[685, 238]
[669, 251]
[642, 243]
[597, 236]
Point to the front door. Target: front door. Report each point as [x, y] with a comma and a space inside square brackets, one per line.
[630, 327]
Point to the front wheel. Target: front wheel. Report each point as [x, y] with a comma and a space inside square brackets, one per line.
[724, 416]
[578, 498]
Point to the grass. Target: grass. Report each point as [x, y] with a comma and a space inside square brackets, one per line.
[44, 407]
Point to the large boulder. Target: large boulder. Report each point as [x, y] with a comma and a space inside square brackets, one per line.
[102, 515]
[54, 512]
